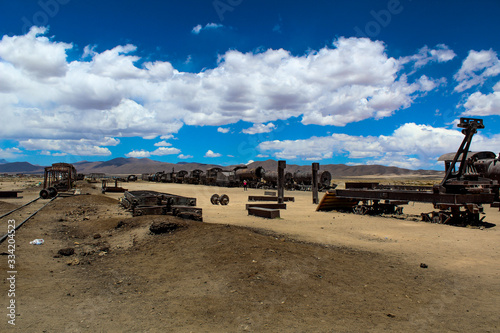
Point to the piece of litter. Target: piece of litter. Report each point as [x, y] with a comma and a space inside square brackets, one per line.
[37, 241]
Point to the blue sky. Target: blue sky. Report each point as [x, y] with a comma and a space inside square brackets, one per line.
[233, 81]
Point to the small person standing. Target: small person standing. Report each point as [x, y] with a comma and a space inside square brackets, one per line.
[245, 185]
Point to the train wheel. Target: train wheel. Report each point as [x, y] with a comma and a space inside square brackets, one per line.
[44, 194]
[359, 210]
[52, 192]
[214, 199]
[224, 199]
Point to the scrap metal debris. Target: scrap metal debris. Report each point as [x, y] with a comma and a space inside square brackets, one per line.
[156, 203]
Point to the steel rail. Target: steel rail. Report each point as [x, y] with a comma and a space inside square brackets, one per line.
[4, 237]
[12, 211]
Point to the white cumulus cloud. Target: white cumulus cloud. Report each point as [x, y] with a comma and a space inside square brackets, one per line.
[162, 151]
[138, 153]
[479, 104]
[81, 147]
[223, 130]
[442, 53]
[210, 153]
[113, 93]
[35, 54]
[259, 128]
[198, 28]
[163, 144]
[476, 68]
[8, 153]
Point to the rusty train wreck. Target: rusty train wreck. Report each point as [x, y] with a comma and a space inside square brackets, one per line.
[59, 177]
[255, 177]
[470, 181]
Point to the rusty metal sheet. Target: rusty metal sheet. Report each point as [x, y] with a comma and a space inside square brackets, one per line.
[331, 201]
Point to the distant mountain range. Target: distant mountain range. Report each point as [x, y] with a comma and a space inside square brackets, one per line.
[131, 165]
[20, 167]
[126, 166]
[2, 161]
[342, 170]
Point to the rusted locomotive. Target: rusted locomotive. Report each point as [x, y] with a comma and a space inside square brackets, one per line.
[255, 178]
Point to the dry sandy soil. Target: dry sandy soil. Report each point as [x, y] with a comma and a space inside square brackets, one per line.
[305, 272]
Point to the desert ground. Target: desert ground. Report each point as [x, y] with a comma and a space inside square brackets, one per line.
[307, 271]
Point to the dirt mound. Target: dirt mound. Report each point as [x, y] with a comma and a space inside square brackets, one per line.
[226, 278]
[64, 203]
[7, 206]
[164, 227]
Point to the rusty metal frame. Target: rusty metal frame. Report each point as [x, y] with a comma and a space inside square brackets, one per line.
[59, 177]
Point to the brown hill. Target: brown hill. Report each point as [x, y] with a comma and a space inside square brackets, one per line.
[20, 167]
[342, 170]
[123, 166]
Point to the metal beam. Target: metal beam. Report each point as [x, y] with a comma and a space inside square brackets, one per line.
[421, 196]
[281, 180]
[315, 168]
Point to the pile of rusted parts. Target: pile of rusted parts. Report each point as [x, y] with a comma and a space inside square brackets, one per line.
[156, 203]
[471, 180]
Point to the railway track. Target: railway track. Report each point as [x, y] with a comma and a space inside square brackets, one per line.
[21, 215]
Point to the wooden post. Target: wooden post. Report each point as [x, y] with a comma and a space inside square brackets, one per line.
[281, 180]
[315, 168]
